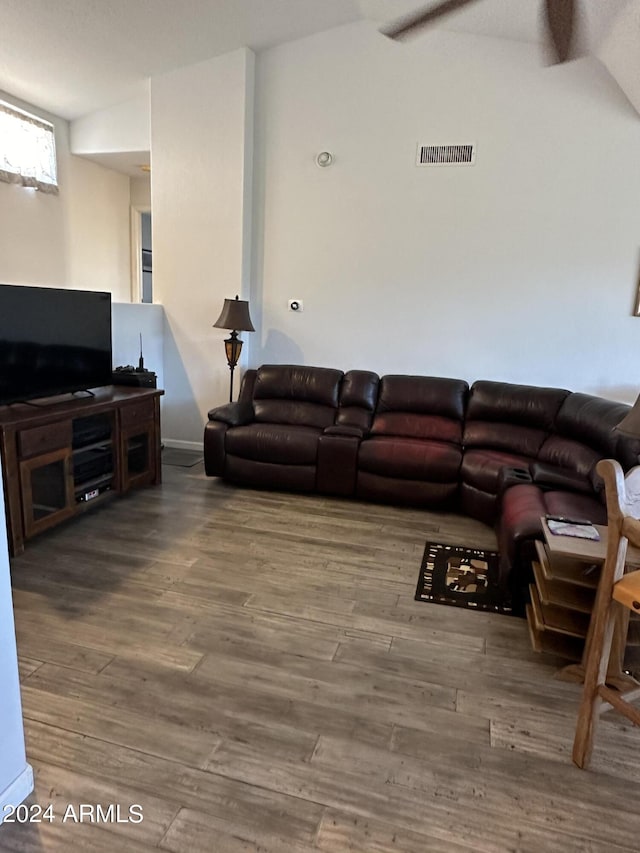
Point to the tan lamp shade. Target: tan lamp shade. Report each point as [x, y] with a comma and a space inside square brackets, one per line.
[630, 424]
[235, 316]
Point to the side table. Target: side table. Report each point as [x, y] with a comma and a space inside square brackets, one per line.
[566, 575]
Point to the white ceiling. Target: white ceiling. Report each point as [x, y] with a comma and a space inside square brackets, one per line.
[72, 57]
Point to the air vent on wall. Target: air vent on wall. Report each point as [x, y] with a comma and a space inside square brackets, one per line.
[446, 155]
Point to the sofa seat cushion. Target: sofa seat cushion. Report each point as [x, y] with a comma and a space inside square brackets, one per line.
[412, 425]
[571, 505]
[481, 468]
[275, 443]
[524, 506]
[410, 459]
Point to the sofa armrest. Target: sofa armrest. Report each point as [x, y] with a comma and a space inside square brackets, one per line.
[214, 448]
[512, 476]
[233, 414]
[337, 460]
[553, 477]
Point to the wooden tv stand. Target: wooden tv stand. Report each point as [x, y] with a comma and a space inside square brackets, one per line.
[62, 455]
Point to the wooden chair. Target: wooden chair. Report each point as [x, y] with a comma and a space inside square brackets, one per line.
[618, 594]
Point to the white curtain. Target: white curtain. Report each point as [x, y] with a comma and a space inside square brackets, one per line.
[27, 150]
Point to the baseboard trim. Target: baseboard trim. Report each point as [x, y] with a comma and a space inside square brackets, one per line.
[182, 445]
[17, 791]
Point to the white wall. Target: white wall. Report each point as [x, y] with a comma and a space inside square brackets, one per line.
[98, 235]
[16, 777]
[201, 191]
[141, 192]
[123, 127]
[79, 238]
[521, 268]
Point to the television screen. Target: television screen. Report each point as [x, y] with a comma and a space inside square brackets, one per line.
[52, 341]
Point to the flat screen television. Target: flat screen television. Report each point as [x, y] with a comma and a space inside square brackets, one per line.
[52, 341]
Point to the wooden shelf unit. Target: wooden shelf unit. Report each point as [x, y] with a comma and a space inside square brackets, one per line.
[48, 448]
[566, 574]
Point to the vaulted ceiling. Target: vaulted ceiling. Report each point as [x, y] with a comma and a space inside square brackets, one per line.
[72, 57]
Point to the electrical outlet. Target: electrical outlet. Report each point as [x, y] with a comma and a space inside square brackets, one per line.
[295, 305]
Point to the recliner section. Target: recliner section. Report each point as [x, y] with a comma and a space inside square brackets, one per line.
[505, 427]
[277, 446]
[413, 452]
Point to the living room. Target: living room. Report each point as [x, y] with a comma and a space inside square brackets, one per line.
[522, 267]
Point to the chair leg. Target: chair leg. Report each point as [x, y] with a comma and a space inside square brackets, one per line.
[597, 662]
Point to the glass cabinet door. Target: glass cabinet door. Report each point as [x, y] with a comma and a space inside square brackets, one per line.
[47, 487]
[138, 456]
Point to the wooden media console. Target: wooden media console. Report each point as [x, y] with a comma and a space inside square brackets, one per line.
[61, 455]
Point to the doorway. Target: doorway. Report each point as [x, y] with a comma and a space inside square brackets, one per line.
[141, 255]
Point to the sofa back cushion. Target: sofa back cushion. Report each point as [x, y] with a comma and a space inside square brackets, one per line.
[502, 436]
[526, 405]
[571, 455]
[423, 407]
[591, 420]
[297, 395]
[585, 429]
[246, 386]
[514, 418]
[358, 398]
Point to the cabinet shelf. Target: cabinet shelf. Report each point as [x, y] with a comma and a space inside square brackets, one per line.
[94, 483]
[555, 644]
[41, 511]
[558, 620]
[95, 445]
[568, 570]
[561, 594]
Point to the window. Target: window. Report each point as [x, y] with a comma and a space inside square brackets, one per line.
[27, 150]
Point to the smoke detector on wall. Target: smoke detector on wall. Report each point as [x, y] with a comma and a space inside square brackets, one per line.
[324, 159]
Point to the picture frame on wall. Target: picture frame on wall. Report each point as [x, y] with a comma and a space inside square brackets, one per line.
[636, 304]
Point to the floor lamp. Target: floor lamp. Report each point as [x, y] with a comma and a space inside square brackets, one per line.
[235, 318]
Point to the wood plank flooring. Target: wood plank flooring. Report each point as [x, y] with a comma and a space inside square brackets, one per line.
[252, 670]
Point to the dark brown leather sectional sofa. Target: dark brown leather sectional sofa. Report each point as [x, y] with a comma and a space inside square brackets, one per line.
[502, 453]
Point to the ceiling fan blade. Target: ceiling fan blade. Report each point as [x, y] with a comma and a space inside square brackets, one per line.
[419, 19]
[561, 15]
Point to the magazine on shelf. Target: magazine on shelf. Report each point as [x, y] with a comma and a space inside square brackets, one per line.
[577, 527]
